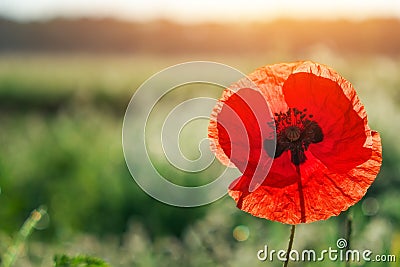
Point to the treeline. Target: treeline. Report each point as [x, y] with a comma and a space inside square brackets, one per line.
[376, 36]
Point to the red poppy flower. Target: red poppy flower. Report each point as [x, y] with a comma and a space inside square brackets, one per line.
[301, 141]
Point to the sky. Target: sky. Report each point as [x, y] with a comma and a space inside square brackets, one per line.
[193, 11]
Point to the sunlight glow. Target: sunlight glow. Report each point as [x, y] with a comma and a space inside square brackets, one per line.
[198, 11]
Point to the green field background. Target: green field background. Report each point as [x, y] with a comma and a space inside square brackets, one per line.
[61, 117]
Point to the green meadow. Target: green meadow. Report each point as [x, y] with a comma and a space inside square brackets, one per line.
[60, 136]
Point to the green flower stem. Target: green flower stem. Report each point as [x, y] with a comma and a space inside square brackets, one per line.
[348, 225]
[292, 230]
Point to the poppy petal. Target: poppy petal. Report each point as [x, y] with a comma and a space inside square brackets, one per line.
[325, 193]
[343, 128]
[237, 127]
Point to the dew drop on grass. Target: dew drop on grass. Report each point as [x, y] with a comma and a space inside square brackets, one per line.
[43, 222]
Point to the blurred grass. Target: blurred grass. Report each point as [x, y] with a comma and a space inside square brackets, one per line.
[20, 239]
[78, 261]
[61, 119]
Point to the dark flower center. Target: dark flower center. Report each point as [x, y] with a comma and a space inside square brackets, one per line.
[292, 133]
[295, 131]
